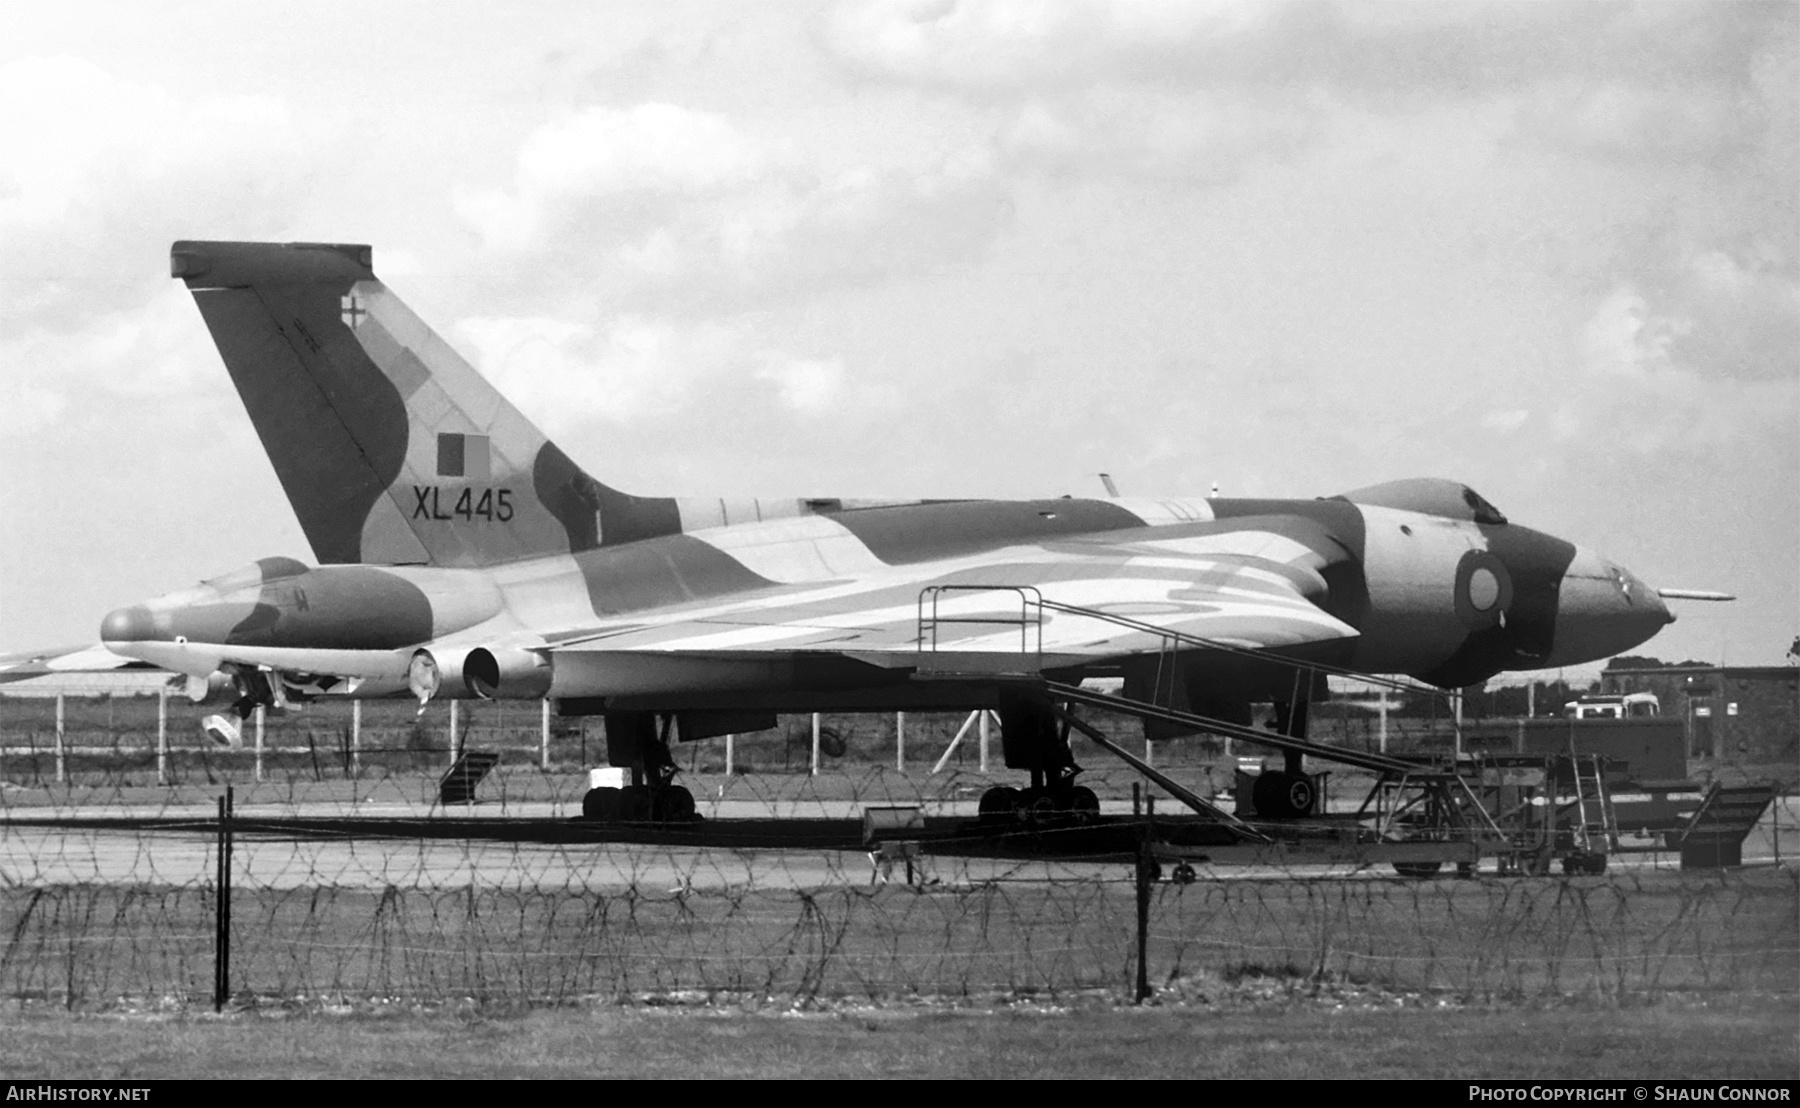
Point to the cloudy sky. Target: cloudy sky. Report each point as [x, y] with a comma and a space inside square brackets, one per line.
[937, 249]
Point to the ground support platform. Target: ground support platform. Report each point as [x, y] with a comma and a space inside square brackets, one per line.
[1176, 839]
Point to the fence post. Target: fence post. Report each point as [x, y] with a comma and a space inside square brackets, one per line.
[455, 740]
[984, 739]
[1456, 700]
[815, 745]
[1145, 873]
[730, 752]
[900, 742]
[222, 909]
[355, 739]
[61, 765]
[162, 735]
[1775, 831]
[544, 734]
[261, 714]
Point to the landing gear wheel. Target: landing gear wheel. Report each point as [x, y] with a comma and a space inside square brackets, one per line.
[1417, 869]
[998, 804]
[1592, 865]
[1082, 801]
[634, 803]
[600, 804]
[1282, 795]
[1184, 874]
[676, 804]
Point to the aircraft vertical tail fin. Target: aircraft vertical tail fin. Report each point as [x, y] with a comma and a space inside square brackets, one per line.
[390, 446]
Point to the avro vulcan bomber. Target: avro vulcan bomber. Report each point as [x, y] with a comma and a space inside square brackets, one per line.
[464, 555]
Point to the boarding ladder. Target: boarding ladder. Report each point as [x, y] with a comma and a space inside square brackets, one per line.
[1026, 665]
[1596, 827]
[938, 620]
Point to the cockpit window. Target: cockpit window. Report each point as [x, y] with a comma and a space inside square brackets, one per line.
[1484, 512]
[1431, 496]
[255, 574]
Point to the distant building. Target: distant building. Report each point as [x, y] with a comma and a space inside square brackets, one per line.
[1743, 714]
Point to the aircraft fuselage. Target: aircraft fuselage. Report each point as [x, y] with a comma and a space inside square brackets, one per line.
[1449, 600]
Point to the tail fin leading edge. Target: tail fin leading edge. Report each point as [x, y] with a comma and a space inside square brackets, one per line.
[391, 448]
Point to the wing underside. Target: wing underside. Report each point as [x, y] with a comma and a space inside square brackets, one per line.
[1079, 605]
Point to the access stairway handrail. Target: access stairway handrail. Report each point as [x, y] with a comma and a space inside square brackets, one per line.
[1144, 710]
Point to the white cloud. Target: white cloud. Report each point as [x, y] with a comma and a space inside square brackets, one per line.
[1637, 391]
[158, 351]
[808, 385]
[1620, 121]
[1506, 421]
[98, 175]
[601, 153]
[29, 406]
[563, 374]
[1745, 317]
[1011, 43]
[575, 379]
[687, 210]
[1643, 82]
[1207, 138]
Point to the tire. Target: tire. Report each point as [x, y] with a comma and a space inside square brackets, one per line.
[998, 804]
[832, 744]
[677, 804]
[1081, 800]
[1417, 869]
[635, 803]
[601, 805]
[1281, 795]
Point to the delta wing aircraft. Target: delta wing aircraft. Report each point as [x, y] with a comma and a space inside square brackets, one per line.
[465, 555]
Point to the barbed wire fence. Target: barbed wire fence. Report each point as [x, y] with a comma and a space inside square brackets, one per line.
[334, 918]
[355, 885]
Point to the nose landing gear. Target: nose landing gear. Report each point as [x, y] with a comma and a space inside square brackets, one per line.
[255, 688]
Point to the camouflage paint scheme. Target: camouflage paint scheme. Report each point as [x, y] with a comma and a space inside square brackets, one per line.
[453, 535]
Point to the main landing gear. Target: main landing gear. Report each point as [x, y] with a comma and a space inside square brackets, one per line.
[1289, 792]
[633, 740]
[1034, 740]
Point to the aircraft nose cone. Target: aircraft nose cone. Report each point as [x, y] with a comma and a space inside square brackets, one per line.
[1603, 609]
[133, 624]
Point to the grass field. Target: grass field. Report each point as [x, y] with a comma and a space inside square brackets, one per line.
[1284, 1037]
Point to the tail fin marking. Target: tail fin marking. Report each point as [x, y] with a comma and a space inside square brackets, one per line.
[390, 446]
